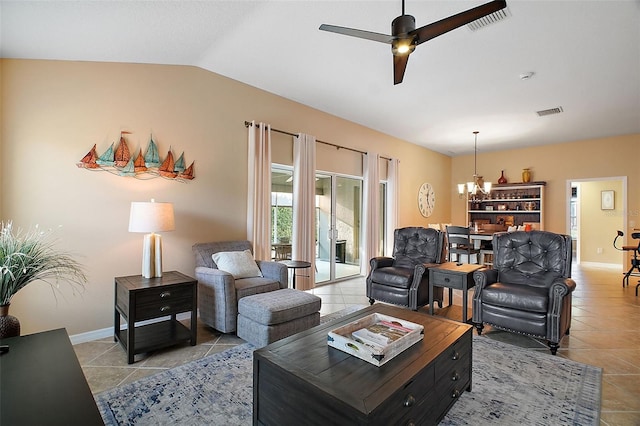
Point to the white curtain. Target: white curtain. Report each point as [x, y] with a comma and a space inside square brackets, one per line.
[259, 190]
[392, 204]
[371, 204]
[304, 203]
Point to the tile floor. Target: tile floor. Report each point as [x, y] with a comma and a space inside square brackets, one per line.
[605, 332]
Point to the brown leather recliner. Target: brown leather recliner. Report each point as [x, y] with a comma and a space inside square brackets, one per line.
[404, 278]
[529, 289]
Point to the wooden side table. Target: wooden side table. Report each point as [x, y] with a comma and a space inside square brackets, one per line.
[139, 299]
[453, 276]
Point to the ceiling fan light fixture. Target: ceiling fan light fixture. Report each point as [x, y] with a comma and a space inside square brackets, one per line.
[402, 47]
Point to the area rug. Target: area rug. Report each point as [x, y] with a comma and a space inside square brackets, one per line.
[511, 386]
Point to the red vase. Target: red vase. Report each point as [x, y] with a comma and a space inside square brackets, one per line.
[502, 179]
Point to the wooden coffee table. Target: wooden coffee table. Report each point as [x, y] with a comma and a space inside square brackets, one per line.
[302, 380]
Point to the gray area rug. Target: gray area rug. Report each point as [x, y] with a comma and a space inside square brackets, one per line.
[510, 386]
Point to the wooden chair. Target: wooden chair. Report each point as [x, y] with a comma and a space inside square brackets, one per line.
[459, 244]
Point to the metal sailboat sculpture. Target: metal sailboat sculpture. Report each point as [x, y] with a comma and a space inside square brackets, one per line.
[120, 162]
[151, 157]
[122, 155]
[188, 173]
[139, 163]
[106, 159]
[89, 160]
[167, 167]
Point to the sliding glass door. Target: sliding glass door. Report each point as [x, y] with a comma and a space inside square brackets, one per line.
[338, 226]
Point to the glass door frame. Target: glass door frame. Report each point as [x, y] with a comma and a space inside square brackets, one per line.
[328, 235]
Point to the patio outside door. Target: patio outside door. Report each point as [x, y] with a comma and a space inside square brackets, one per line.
[338, 220]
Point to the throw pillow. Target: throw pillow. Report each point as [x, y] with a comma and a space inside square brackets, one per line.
[240, 264]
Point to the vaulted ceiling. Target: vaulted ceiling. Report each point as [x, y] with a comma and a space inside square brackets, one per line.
[584, 56]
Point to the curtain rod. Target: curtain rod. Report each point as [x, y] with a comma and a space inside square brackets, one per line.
[248, 123]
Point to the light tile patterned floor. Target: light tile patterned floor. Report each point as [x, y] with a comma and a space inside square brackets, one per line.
[605, 332]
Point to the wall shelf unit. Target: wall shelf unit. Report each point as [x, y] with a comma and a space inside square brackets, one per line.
[508, 204]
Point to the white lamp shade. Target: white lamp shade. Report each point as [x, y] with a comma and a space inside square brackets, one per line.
[151, 217]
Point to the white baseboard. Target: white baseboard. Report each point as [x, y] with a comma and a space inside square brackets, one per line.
[108, 332]
[602, 265]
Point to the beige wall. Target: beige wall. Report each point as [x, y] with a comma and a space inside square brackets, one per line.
[597, 227]
[53, 113]
[557, 165]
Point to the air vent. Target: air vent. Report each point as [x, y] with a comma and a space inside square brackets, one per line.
[498, 16]
[556, 110]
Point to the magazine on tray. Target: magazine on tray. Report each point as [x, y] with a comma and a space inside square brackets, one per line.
[380, 334]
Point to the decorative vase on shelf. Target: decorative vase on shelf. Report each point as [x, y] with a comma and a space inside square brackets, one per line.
[9, 325]
[526, 175]
[502, 179]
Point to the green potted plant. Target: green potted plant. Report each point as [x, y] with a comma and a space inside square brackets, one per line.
[27, 256]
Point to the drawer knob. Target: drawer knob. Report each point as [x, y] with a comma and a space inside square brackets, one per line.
[411, 423]
[455, 376]
[455, 393]
[455, 356]
[165, 308]
[165, 294]
[409, 401]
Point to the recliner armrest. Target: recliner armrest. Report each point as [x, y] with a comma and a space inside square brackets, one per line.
[484, 277]
[380, 262]
[561, 287]
[274, 270]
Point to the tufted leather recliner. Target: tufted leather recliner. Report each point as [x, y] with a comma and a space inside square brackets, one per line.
[404, 279]
[529, 289]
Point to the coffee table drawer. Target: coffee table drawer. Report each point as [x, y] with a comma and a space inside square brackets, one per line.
[405, 402]
[444, 279]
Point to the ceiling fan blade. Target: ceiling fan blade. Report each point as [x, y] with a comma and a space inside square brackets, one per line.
[451, 23]
[399, 65]
[368, 35]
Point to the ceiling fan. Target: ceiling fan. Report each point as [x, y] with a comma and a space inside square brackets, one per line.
[405, 36]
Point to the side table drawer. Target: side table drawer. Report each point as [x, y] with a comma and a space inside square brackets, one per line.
[169, 307]
[164, 294]
[449, 280]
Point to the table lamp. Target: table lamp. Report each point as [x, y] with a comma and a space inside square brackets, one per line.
[151, 217]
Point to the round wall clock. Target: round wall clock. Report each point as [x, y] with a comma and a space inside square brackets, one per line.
[426, 199]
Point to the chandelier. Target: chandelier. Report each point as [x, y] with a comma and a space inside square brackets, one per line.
[477, 184]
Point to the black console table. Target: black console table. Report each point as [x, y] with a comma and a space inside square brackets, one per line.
[41, 383]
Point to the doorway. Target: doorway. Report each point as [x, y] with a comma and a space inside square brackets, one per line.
[338, 227]
[593, 218]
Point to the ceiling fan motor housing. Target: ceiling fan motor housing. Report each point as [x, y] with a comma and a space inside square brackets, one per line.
[403, 44]
[403, 25]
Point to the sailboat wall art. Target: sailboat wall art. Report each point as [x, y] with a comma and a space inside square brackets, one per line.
[117, 159]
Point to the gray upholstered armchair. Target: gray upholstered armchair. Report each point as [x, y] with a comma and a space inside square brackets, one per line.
[219, 291]
[404, 278]
[529, 289]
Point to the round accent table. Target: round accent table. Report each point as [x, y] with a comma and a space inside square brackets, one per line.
[295, 264]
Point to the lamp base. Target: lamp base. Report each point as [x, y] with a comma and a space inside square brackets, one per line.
[152, 256]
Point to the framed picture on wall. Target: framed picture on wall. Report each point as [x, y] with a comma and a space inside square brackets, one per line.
[608, 200]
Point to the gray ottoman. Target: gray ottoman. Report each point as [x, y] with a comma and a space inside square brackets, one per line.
[266, 317]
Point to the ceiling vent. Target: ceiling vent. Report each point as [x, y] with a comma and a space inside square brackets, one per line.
[498, 16]
[551, 111]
